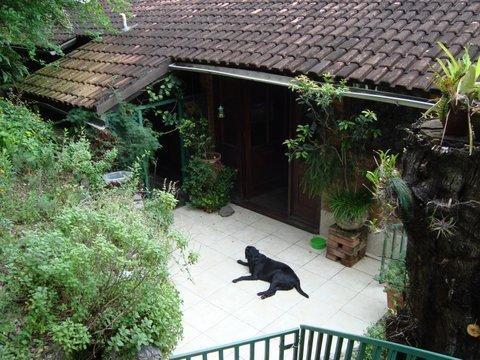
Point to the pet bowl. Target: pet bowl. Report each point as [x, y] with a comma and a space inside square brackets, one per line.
[318, 243]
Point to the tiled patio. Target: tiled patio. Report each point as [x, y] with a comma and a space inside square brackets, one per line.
[217, 311]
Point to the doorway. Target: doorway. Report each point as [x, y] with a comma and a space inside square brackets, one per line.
[251, 122]
[249, 135]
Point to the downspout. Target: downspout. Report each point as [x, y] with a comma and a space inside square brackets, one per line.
[280, 80]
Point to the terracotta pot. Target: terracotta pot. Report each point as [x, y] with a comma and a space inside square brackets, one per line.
[395, 299]
[457, 123]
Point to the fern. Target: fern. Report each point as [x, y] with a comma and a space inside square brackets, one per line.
[349, 205]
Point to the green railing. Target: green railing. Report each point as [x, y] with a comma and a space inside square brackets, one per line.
[307, 343]
[394, 247]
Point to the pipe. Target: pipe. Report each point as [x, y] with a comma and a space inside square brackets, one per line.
[281, 80]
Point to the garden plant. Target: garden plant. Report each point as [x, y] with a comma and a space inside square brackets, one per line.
[83, 270]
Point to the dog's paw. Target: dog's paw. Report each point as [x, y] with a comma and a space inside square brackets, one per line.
[261, 293]
[240, 262]
[234, 281]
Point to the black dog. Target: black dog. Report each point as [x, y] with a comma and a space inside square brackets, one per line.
[279, 275]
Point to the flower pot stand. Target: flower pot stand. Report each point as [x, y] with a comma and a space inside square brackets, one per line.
[346, 247]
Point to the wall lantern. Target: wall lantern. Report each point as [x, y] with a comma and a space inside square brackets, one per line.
[221, 113]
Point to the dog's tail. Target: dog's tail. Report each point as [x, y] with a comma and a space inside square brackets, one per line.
[299, 289]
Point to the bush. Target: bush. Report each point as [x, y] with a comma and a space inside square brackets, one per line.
[207, 185]
[376, 331]
[83, 271]
[22, 133]
[132, 139]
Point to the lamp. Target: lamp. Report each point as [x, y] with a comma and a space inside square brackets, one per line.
[221, 113]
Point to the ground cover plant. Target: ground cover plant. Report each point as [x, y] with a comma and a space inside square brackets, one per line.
[83, 270]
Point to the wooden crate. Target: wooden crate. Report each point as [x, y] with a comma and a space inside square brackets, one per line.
[346, 247]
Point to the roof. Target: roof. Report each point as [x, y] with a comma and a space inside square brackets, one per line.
[384, 42]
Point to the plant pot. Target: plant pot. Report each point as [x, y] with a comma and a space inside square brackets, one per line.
[395, 299]
[213, 157]
[352, 225]
[457, 123]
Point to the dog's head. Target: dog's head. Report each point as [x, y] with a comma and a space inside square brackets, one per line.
[251, 253]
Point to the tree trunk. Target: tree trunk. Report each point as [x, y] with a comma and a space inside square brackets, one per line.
[443, 255]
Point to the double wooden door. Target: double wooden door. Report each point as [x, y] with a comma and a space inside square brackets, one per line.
[249, 132]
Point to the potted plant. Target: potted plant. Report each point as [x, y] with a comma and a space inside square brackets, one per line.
[197, 139]
[395, 283]
[350, 208]
[208, 185]
[458, 107]
[391, 194]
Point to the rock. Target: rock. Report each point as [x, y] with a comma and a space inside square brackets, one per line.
[149, 353]
[226, 211]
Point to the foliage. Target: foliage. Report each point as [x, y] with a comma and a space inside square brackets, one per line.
[208, 185]
[131, 138]
[330, 147]
[22, 132]
[459, 84]
[348, 206]
[83, 271]
[390, 192]
[195, 133]
[376, 331]
[396, 276]
[196, 137]
[32, 26]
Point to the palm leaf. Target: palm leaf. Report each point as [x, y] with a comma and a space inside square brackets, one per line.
[453, 62]
[444, 67]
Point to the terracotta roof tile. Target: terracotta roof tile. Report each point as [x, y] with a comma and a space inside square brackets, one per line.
[381, 41]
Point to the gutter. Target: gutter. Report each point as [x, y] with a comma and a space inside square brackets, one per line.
[281, 80]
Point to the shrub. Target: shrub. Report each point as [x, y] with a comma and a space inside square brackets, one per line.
[22, 133]
[207, 185]
[376, 331]
[96, 280]
[125, 133]
[83, 271]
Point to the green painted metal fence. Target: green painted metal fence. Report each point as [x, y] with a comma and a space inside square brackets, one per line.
[307, 343]
[394, 247]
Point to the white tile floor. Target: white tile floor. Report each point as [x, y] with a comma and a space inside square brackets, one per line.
[217, 311]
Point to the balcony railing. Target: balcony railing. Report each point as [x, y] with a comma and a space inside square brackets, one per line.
[307, 343]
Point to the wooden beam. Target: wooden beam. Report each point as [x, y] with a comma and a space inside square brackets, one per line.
[116, 97]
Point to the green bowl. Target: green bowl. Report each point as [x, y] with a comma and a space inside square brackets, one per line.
[318, 243]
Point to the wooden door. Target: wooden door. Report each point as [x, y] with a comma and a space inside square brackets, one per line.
[229, 129]
[303, 208]
[265, 130]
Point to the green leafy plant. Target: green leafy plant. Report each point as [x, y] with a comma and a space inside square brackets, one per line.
[396, 276]
[125, 132]
[195, 134]
[459, 103]
[390, 192]
[208, 185]
[194, 131]
[330, 147]
[376, 331]
[349, 206]
[83, 270]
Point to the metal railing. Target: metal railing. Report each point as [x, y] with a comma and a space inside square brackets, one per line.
[307, 343]
[394, 247]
